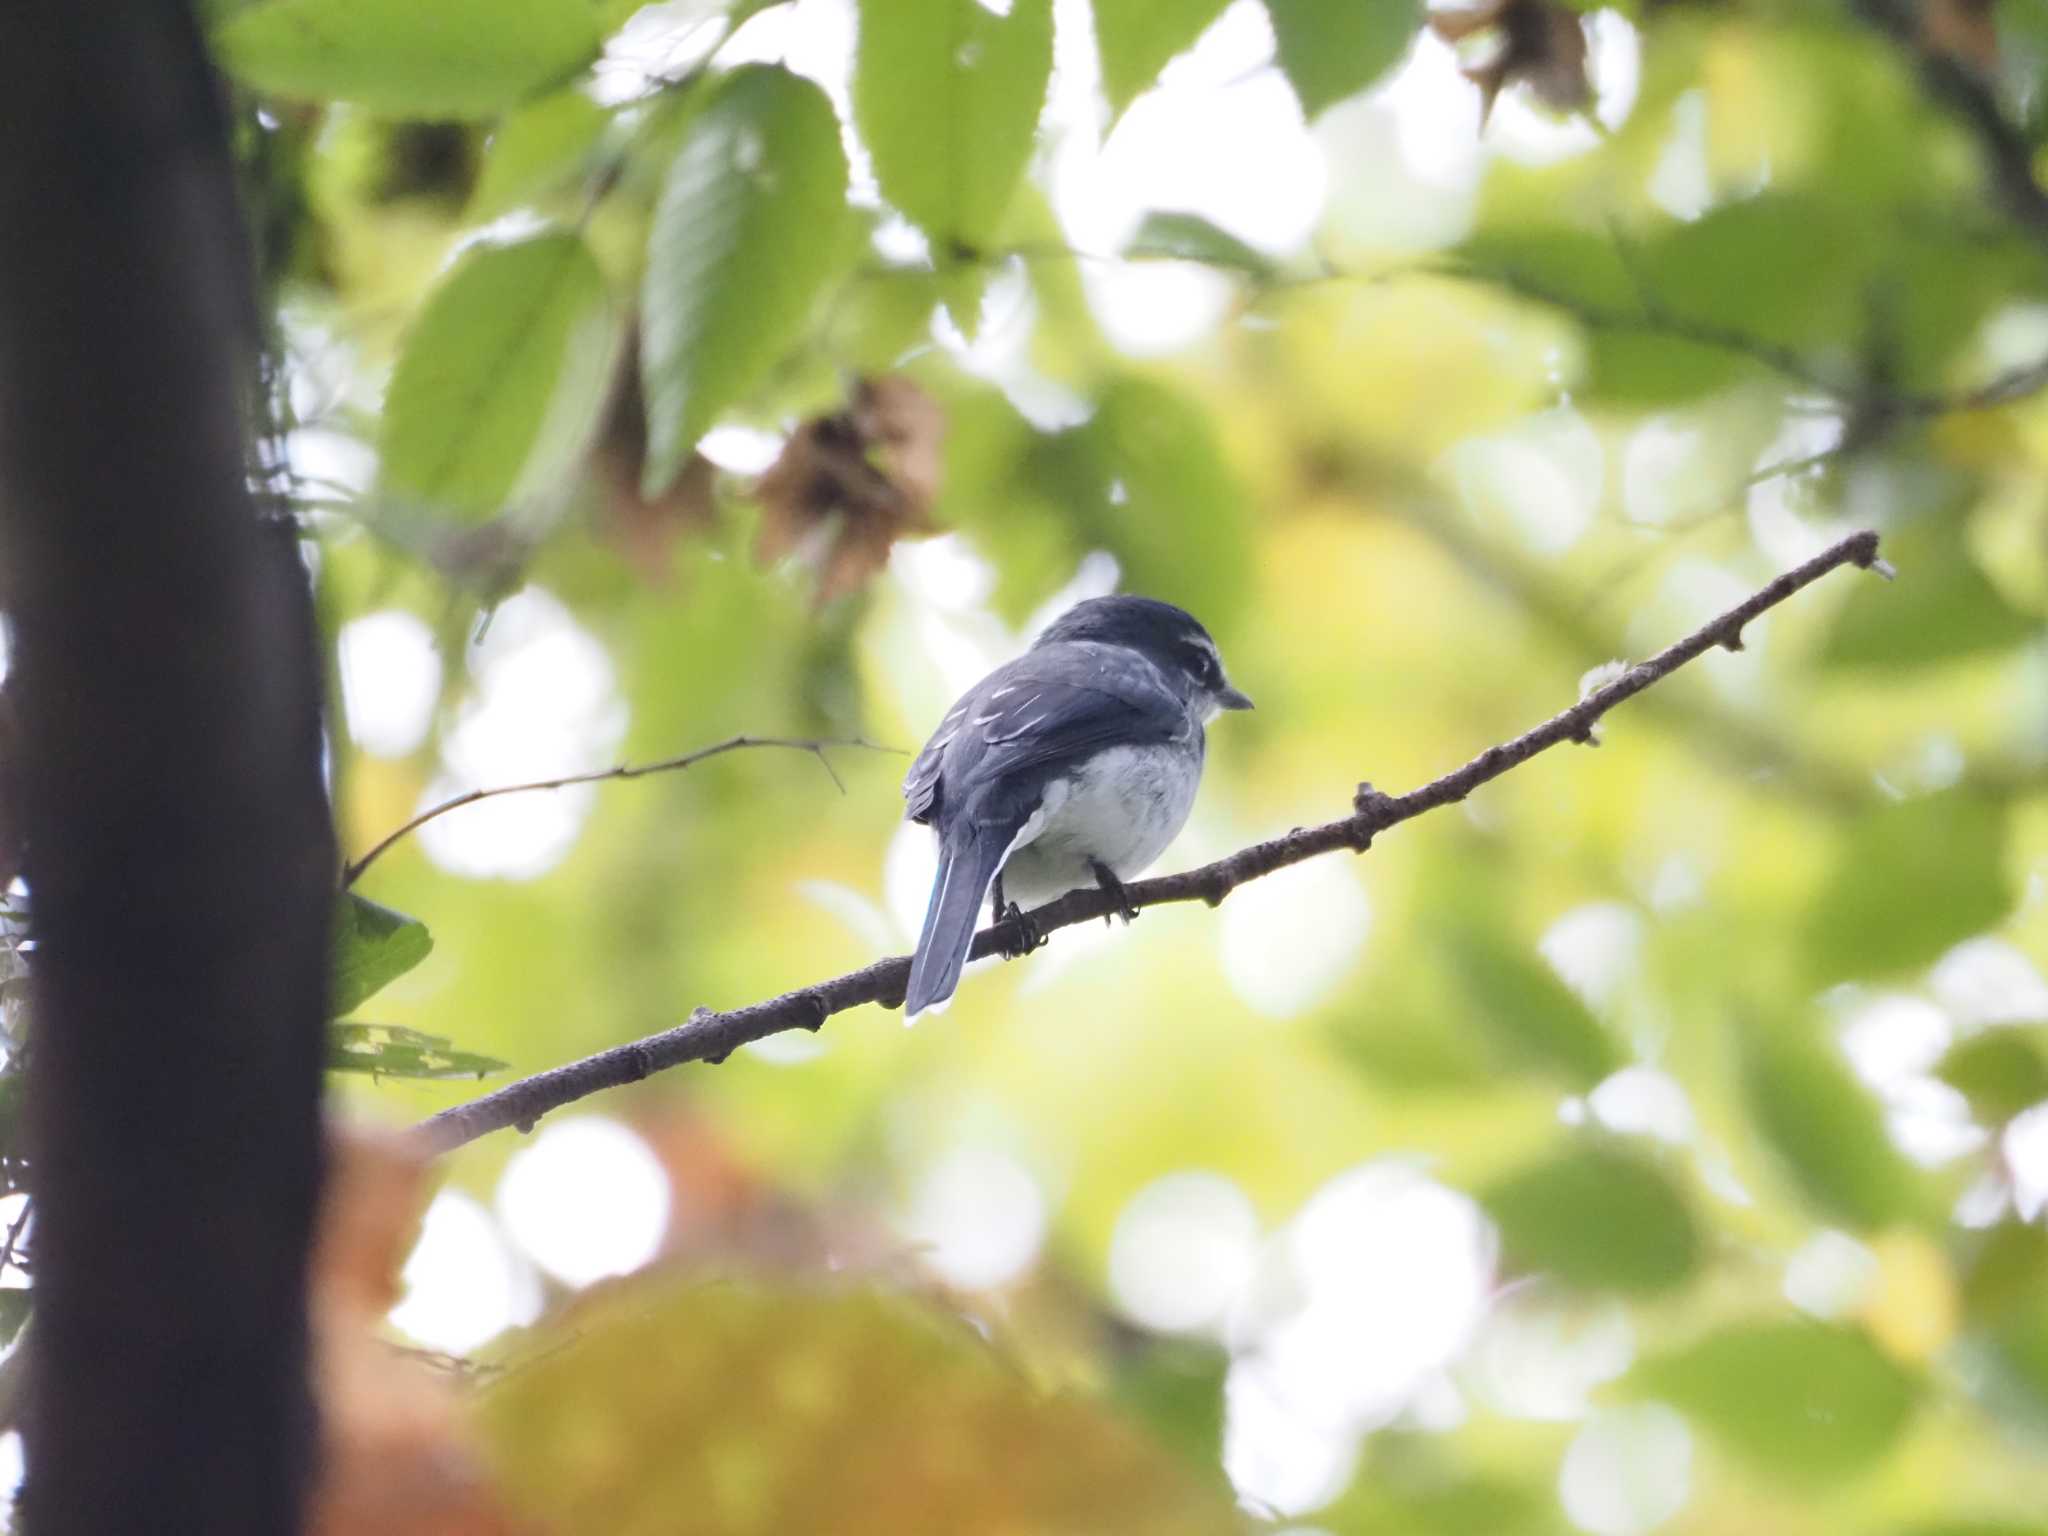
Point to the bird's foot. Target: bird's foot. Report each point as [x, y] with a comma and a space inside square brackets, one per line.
[1028, 936]
[1106, 878]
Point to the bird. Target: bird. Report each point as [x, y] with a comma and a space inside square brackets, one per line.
[1077, 763]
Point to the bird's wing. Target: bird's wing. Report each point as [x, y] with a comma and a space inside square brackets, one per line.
[1050, 707]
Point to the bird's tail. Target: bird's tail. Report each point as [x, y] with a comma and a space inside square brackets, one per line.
[969, 858]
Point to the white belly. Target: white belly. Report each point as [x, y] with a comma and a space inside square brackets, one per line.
[1121, 809]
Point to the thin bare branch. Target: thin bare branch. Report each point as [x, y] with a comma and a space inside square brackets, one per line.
[712, 1036]
[817, 747]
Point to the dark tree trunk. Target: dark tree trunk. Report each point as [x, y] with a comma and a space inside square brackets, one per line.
[179, 855]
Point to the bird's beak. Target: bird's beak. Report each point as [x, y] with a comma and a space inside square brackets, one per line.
[1230, 698]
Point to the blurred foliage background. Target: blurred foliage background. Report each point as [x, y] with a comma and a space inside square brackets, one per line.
[1656, 1142]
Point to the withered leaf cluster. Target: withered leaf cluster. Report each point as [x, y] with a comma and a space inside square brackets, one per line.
[850, 484]
[1537, 43]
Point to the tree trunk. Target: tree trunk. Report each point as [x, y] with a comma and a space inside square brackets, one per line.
[179, 859]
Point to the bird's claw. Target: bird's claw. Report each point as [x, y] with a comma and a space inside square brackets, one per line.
[1106, 878]
[1028, 935]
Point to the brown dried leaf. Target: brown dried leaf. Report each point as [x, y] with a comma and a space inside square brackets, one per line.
[644, 529]
[395, 1457]
[1964, 30]
[850, 484]
[1537, 43]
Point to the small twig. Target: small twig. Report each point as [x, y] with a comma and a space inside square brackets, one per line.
[816, 747]
[711, 1037]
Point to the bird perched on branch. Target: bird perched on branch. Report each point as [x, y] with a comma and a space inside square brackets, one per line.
[1075, 764]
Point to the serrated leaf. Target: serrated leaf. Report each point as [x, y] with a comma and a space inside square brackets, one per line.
[500, 381]
[373, 947]
[946, 95]
[1520, 1002]
[1331, 49]
[1826, 1128]
[1941, 608]
[1168, 236]
[1597, 1218]
[742, 1407]
[536, 151]
[1913, 878]
[1805, 1402]
[745, 235]
[391, 1050]
[1136, 38]
[2001, 1071]
[444, 59]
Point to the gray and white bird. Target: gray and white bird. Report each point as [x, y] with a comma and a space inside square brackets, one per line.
[1075, 764]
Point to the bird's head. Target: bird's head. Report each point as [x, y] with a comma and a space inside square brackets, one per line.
[1171, 638]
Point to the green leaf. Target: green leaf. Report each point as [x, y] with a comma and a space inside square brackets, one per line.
[2004, 1351]
[745, 237]
[1527, 1010]
[373, 947]
[946, 95]
[1136, 38]
[2005, 1273]
[1597, 1217]
[1190, 237]
[1826, 1128]
[2001, 1071]
[500, 381]
[1704, 304]
[1408, 1486]
[1574, 268]
[1147, 479]
[1912, 879]
[536, 151]
[1805, 1402]
[1940, 609]
[443, 59]
[391, 1050]
[1331, 49]
[1174, 1388]
[2007, 1367]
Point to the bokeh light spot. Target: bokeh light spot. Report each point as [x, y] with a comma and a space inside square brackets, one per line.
[586, 1200]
